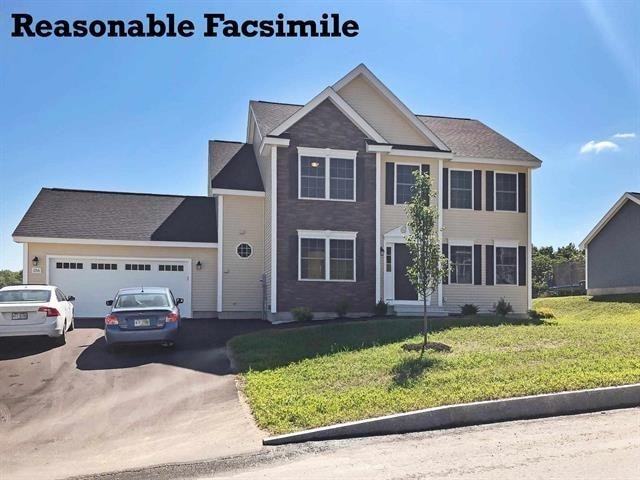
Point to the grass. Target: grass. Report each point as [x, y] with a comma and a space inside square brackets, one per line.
[312, 376]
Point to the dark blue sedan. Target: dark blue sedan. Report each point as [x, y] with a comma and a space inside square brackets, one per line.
[143, 315]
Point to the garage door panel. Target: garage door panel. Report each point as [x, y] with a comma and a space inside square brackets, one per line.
[94, 280]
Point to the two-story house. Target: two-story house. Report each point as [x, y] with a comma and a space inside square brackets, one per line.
[308, 211]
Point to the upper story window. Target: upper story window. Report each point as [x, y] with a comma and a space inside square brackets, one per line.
[461, 188]
[326, 174]
[326, 255]
[506, 192]
[461, 258]
[404, 182]
[506, 265]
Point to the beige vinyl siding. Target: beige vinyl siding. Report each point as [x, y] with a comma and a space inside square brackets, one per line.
[483, 296]
[381, 114]
[203, 284]
[264, 164]
[241, 277]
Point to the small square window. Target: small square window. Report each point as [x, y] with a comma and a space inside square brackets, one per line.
[127, 266]
[181, 268]
[80, 266]
[114, 266]
[65, 265]
[101, 266]
[59, 265]
[94, 266]
[161, 268]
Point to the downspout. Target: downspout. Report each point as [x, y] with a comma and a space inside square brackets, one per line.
[440, 167]
[378, 246]
[220, 201]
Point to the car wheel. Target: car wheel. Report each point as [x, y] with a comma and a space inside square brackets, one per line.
[73, 325]
[62, 339]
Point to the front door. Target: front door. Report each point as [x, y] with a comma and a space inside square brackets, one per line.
[402, 286]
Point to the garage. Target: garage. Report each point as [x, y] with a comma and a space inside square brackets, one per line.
[93, 280]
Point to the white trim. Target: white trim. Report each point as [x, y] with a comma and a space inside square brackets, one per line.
[250, 246]
[607, 217]
[505, 244]
[274, 228]
[420, 153]
[530, 245]
[495, 192]
[378, 214]
[379, 148]
[462, 243]
[440, 173]
[327, 154]
[274, 141]
[242, 193]
[344, 107]
[327, 236]
[129, 243]
[449, 184]
[220, 201]
[395, 101]
[497, 161]
[25, 263]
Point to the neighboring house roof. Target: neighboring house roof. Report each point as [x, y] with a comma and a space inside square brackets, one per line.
[627, 196]
[234, 166]
[96, 215]
[465, 137]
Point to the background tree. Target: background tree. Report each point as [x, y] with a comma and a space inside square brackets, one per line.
[544, 261]
[8, 277]
[428, 266]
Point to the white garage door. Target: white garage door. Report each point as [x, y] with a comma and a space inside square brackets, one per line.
[94, 280]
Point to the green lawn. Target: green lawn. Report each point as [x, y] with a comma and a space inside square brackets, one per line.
[312, 376]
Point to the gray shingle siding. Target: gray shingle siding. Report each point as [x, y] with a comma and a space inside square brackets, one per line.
[614, 253]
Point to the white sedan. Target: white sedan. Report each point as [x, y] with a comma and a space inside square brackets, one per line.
[35, 310]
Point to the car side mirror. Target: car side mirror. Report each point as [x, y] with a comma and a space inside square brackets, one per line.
[70, 298]
[109, 303]
[179, 301]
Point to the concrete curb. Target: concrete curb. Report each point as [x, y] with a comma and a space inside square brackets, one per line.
[492, 411]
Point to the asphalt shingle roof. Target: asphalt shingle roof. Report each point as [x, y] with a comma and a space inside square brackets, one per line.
[234, 166]
[85, 214]
[465, 137]
[635, 194]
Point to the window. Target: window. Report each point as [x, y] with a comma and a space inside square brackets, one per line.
[506, 266]
[136, 266]
[104, 266]
[326, 174]
[461, 190]
[69, 265]
[60, 296]
[388, 260]
[142, 300]
[507, 191]
[404, 182]
[170, 268]
[244, 250]
[461, 258]
[327, 255]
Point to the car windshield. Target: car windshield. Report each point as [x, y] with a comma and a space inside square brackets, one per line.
[12, 296]
[142, 300]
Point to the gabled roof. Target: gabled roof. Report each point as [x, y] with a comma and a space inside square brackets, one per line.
[234, 166]
[627, 196]
[98, 215]
[271, 114]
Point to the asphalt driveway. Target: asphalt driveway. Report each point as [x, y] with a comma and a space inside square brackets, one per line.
[77, 409]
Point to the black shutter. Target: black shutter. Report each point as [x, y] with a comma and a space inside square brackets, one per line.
[424, 168]
[292, 260]
[522, 265]
[390, 183]
[489, 197]
[522, 192]
[489, 264]
[445, 252]
[361, 274]
[293, 176]
[361, 180]
[445, 188]
[477, 264]
[477, 189]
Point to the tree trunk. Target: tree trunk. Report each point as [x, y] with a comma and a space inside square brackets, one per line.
[424, 324]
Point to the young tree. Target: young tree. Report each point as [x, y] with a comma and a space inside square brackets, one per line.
[429, 267]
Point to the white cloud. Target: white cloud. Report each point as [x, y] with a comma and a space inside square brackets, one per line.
[624, 135]
[602, 146]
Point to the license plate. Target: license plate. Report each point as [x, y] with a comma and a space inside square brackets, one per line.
[19, 316]
[141, 322]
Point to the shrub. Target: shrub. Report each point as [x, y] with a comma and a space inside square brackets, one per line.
[342, 308]
[469, 309]
[502, 307]
[539, 313]
[302, 314]
[380, 310]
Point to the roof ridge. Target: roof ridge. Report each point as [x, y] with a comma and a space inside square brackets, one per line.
[55, 189]
[445, 116]
[229, 141]
[278, 103]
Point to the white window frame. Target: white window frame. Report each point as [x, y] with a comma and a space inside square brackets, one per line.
[327, 236]
[472, 188]
[327, 154]
[395, 178]
[495, 192]
[505, 244]
[463, 243]
[250, 246]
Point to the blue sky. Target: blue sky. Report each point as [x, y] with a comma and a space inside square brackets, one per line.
[136, 114]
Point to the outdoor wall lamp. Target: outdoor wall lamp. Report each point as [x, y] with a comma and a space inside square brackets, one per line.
[199, 265]
[381, 251]
[35, 261]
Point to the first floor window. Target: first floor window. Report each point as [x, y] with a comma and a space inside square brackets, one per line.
[329, 256]
[461, 190]
[506, 265]
[404, 182]
[461, 264]
[506, 191]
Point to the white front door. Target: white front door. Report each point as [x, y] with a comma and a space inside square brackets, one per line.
[94, 280]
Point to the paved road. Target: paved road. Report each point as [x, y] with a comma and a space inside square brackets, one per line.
[593, 446]
[77, 409]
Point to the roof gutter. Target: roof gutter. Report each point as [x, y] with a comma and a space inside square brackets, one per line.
[129, 243]
[275, 141]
